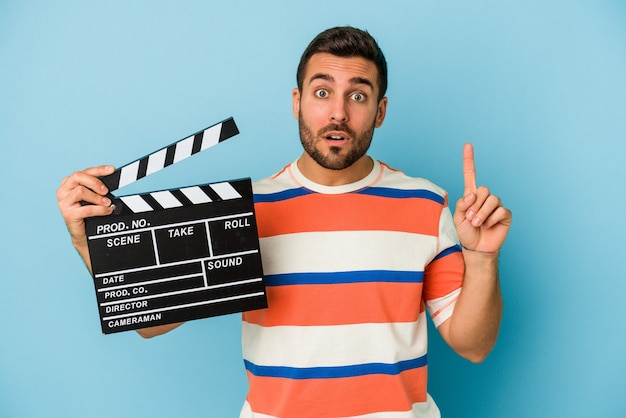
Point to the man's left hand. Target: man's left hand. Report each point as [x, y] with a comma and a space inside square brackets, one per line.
[481, 221]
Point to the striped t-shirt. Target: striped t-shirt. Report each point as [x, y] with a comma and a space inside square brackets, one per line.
[350, 271]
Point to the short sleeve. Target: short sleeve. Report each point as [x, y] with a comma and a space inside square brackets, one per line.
[443, 276]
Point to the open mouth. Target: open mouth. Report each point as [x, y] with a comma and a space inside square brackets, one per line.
[336, 136]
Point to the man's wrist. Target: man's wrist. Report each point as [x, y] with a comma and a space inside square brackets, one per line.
[474, 250]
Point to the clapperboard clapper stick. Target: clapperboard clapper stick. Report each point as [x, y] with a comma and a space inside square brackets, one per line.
[180, 254]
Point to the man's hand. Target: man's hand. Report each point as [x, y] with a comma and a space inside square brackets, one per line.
[481, 221]
[482, 224]
[83, 186]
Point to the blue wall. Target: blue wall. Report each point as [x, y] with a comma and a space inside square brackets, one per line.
[538, 86]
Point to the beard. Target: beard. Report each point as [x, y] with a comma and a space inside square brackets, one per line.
[338, 158]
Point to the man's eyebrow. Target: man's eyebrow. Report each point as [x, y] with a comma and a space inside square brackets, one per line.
[353, 80]
[361, 80]
[321, 76]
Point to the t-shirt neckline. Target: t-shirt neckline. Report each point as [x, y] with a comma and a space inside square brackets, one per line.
[366, 181]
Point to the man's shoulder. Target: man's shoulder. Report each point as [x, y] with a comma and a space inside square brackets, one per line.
[398, 179]
[275, 183]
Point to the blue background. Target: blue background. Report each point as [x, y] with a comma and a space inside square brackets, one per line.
[539, 87]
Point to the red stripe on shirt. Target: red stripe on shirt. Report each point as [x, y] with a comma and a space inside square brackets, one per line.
[337, 304]
[319, 212]
[338, 397]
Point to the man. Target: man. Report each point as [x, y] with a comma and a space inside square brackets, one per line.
[354, 254]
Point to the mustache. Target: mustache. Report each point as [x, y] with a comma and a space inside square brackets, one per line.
[336, 127]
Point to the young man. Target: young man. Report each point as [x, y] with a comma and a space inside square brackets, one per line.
[354, 254]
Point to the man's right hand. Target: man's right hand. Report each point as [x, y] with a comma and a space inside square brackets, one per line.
[83, 186]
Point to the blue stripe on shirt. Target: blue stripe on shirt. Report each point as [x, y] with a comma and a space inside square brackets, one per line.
[343, 277]
[279, 196]
[370, 191]
[331, 372]
[453, 249]
[402, 194]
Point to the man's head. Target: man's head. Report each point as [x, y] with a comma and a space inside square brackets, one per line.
[346, 42]
[339, 101]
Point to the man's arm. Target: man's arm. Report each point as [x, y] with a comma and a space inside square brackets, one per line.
[482, 224]
[473, 328]
[87, 187]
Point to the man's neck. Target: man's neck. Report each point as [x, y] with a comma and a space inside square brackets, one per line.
[327, 177]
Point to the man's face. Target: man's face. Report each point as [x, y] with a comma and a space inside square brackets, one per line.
[338, 109]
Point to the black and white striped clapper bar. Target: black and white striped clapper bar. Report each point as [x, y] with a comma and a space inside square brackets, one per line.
[176, 255]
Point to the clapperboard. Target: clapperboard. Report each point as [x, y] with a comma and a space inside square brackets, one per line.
[176, 255]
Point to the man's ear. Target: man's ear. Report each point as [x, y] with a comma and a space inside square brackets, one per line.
[382, 112]
[295, 102]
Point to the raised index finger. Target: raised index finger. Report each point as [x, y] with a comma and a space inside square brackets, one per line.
[469, 170]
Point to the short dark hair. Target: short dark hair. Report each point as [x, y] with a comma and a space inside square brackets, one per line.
[346, 41]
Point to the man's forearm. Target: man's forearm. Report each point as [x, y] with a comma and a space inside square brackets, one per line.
[473, 328]
[83, 251]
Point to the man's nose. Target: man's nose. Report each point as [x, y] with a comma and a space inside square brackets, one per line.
[338, 111]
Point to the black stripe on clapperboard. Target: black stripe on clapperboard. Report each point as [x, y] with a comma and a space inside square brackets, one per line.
[171, 154]
[180, 196]
[167, 199]
[151, 201]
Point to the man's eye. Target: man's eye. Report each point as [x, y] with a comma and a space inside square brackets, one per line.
[358, 97]
[321, 93]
